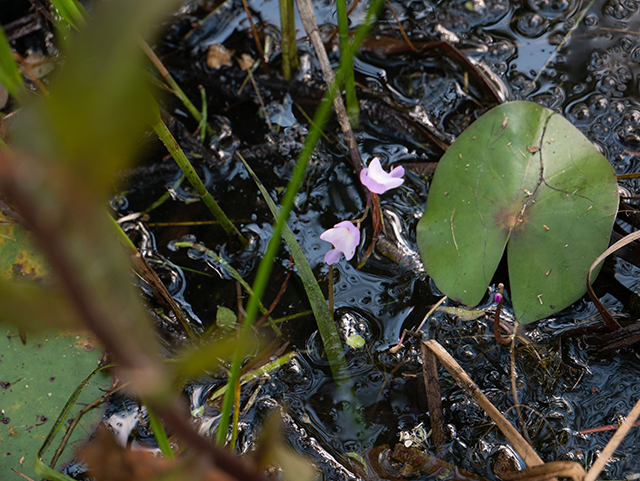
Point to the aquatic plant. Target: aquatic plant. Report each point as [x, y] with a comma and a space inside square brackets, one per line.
[345, 237]
[521, 179]
[377, 180]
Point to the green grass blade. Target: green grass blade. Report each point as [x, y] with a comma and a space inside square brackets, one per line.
[255, 374]
[159, 433]
[9, 72]
[203, 120]
[49, 473]
[324, 318]
[289, 47]
[72, 12]
[192, 176]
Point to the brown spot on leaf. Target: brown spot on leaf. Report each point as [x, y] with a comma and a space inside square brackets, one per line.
[506, 218]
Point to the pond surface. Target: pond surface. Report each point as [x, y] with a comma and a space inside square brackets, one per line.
[563, 388]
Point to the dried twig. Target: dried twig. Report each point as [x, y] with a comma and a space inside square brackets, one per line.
[613, 444]
[434, 396]
[520, 445]
[608, 319]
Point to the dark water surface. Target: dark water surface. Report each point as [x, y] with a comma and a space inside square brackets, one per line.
[593, 80]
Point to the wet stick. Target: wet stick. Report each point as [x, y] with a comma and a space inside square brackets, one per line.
[463, 380]
[181, 159]
[610, 448]
[434, 396]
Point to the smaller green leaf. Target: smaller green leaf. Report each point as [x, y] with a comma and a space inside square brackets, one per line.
[226, 318]
[462, 313]
[356, 341]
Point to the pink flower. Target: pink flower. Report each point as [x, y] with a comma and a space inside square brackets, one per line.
[497, 297]
[377, 180]
[345, 237]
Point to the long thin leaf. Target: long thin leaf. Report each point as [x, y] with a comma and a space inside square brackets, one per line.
[346, 60]
[324, 318]
[192, 176]
[72, 12]
[160, 434]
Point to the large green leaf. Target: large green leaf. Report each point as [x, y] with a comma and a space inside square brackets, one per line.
[522, 175]
[36, 381]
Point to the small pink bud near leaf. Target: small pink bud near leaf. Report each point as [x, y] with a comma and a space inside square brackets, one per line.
[377, 180]
[497, 298]
[345, 237]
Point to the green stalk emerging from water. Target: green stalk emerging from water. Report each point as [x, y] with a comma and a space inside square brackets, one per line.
[346, 56]
[289, 46]
[192, 176]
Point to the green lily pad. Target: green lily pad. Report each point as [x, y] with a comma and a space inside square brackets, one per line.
[522, 178]
[36, 381]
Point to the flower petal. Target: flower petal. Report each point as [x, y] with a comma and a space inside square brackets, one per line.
[335, 235]
[376, 172]
[377, 180]
[353, 230]
[345, 237]
[397, 172]
[332, 256]
[372, 185]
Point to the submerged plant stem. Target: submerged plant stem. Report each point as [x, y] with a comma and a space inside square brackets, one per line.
[181, 159]
[330, 290]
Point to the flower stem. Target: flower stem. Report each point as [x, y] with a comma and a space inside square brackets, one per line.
[331, 289]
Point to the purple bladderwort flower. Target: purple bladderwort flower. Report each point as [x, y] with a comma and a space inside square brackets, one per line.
[377, 180]
[497, 297]
[345, 237]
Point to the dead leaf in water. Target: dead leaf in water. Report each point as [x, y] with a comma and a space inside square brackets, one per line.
[218, 56]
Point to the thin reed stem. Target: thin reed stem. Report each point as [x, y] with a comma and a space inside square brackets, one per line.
[290, 60]
[192, 176]
[346, 54]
